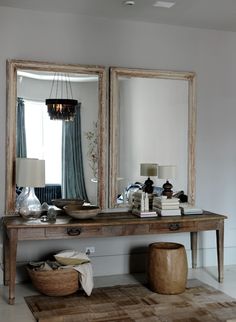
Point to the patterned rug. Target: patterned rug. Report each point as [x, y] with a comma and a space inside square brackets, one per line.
[129, 303]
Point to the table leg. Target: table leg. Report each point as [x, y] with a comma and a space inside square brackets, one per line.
[220, 251]
[5, 258]
[193, 235]
[12, 264]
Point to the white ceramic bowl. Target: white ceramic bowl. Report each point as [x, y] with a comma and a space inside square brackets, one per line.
[83, 212]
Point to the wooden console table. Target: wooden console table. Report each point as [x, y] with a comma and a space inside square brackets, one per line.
[107, 225]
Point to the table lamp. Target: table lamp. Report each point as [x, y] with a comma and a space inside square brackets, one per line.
[148, 170]
[30, 173]
[167, 172]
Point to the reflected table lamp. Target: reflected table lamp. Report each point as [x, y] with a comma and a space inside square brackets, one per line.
[30, 173]
[148, 170]
[167, 172]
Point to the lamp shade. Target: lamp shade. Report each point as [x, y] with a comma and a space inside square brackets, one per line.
[30, 172]
[166, 171]
[148, 169]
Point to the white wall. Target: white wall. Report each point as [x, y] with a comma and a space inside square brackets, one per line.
[211, 54]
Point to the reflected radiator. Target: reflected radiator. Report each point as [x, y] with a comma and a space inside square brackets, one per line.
[48, 193]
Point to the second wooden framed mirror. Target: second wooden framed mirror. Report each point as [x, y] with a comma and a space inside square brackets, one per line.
[153, 120]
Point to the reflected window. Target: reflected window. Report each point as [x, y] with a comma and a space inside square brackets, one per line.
[43, 139]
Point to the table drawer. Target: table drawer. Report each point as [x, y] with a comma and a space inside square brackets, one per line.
[73, 232]
[174, 227]
[101, 231]
[31, 234]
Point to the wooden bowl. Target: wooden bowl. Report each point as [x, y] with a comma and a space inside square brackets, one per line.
[83, 212]
[60, 203]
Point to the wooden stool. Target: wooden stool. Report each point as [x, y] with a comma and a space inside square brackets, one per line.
[167, 268]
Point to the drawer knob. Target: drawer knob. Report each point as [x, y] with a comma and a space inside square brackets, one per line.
[74, 231]
[174, 227]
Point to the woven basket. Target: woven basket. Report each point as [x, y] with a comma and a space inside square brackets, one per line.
[56, 282]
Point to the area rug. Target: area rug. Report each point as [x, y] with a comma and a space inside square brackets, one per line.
[128, 303]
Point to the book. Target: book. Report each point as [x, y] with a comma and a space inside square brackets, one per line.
[191, 210]
[163, 203]
[144, 214]
[167, 212]
[174, 206]
[166, 203]
[165, 199]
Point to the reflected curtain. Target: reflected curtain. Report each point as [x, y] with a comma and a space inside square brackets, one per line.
[21, 151]
[73, 184]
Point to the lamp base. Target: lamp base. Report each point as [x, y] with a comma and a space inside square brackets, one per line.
[148, 186]
[28, 205]
[167, 190]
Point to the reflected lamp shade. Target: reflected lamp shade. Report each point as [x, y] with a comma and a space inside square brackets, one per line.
[30, 173]
[167, 172]
[148, 169]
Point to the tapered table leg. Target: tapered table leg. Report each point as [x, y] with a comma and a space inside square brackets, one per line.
[6, 258]
[12, 264]
[193, 236]
[220, 251]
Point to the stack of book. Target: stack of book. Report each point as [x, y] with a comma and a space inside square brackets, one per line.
[142, 204]
[137, 196]
[166, 207]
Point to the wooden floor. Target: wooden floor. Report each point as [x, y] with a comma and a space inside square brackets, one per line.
[20, 312]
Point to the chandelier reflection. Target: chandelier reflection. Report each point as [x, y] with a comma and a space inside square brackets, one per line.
[62, 106]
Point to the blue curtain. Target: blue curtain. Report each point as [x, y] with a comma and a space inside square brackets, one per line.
[73, 185]
[21, 151]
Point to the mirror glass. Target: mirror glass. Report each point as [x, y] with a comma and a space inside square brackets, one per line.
[152, 121]
[33, 134]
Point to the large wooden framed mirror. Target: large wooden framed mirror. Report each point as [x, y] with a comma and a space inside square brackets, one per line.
[152, 120]
[30, 82]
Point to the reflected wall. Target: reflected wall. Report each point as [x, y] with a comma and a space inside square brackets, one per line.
[153, 128]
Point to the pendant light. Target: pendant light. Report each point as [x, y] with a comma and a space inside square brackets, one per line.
[62, 106]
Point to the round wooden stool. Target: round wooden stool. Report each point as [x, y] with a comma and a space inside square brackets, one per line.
[167, 268]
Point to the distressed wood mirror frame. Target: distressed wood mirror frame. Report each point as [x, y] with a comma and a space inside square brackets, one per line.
[119, 72]
[12, 67]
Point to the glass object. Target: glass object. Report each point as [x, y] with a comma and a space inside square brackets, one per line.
[28, 205]
[52, 215]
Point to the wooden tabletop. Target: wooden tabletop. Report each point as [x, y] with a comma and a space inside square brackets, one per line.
[107, 219]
